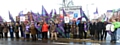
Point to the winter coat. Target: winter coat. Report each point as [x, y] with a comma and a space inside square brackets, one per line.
[33, 30]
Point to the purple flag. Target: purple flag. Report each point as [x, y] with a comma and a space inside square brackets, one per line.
[51, 13]
[44, 12]
[20, 13]
[96, 12]
[64, 13]
[34, 16]
[10, 17]
[109, 10]
[1, 19]
[83, 14]
[55, 13]
[38, 17]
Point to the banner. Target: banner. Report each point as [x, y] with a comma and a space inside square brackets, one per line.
[22, 18]
[72, 11]
[66, 19]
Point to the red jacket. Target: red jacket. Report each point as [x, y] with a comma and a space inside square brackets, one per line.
[45, 28]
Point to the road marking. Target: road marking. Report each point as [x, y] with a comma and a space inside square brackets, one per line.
[60, 43]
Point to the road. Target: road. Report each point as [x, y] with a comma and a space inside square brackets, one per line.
[61, 41]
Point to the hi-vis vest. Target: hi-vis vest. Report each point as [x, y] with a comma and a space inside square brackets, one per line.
[110, 27]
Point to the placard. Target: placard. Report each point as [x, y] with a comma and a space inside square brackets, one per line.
[66, 19]
[22, 18]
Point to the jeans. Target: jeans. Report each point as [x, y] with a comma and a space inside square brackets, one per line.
[11, 35]
[39, 35]
[114, 36]
[67, 35]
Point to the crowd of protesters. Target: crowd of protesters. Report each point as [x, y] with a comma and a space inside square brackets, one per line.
[94, 30]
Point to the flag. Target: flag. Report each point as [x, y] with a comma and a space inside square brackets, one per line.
[1, 19]
[109, 13]
[55, 13]
[96, 12]
[10, 17]
[96, 15]
[83, 14]
[38, 17]
[34, 15]
[20, 13]
[44, 12]
[64, 13]
[51, 13]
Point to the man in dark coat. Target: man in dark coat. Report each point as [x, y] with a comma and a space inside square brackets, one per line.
[1, 30]
[92, 30]
[81, 29]
[99, 30]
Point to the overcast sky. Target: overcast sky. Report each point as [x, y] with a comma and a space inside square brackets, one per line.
[35, 5]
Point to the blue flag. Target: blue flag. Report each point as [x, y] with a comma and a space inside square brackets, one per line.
[10, 17]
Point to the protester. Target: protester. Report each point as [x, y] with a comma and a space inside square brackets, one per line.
[81, 29]
[53, 31]
[92, 30]
[45, 30]
[39, 28]
[75, 31]
[67, 30]
[17, 30]
[11, 30]
[116, 26]
[104, 30]
[27, 31]
[5, 30]
[33, 31]
[1, 30]
[21, 29]
[99, 29]
[85, 29]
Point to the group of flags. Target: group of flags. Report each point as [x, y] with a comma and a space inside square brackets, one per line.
[36, 16]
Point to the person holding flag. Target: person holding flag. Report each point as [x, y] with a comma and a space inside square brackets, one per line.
[114, 32]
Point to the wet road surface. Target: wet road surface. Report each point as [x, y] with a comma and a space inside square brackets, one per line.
[61, 41]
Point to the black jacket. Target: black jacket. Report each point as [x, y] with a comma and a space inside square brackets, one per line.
[81, 26]
[100, 26]
[67, 28]
[92, 26]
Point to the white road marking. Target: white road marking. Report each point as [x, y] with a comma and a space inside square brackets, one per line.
[73, 43]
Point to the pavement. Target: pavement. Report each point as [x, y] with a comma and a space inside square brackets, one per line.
[60, 41]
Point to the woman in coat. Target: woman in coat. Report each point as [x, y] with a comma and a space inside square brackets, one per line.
[27, 31]
[33, 31]
[5, 30]
[67, 30]
[53, 31]
[17, 30]
[74, 31]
